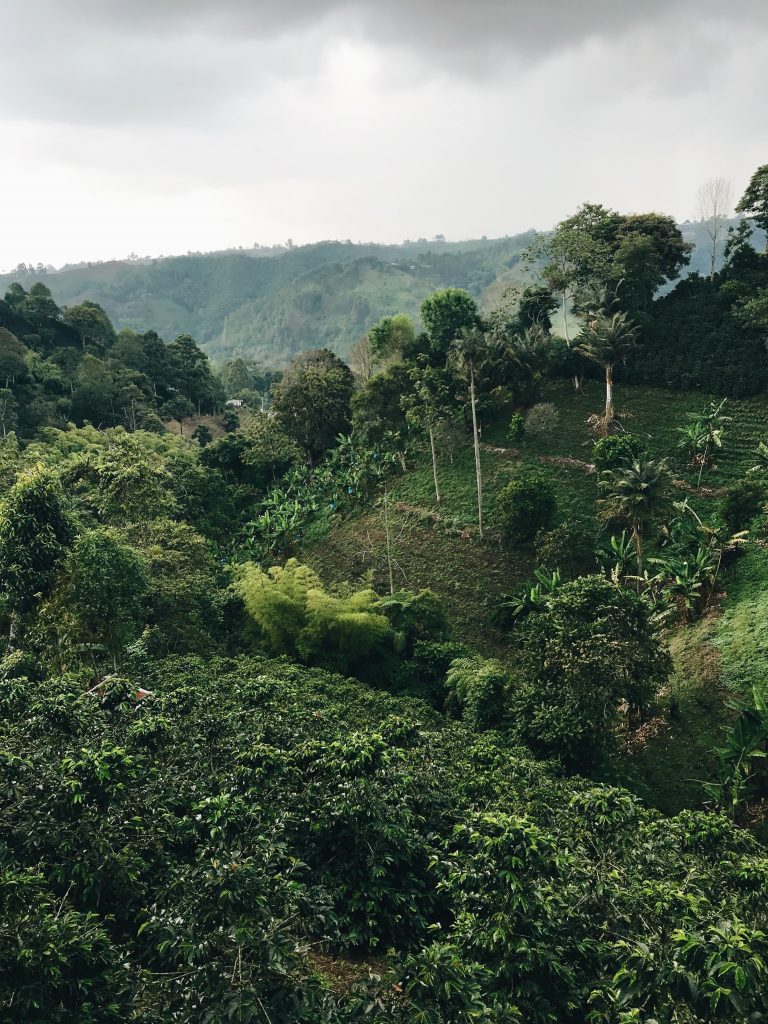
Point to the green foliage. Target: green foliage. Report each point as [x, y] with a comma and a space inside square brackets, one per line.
[297, 617]
[617, 450]
[569, 547]
[516, 429]
[312, 400]
[590, 648]
[476, 691]
[101, 599]
[202, 434]
[526, 505]
[637, 494]
[741, 503]
[35, 531]
[248, 810]
[542, 420]
[57, 964]
[754, 202]
[445, 314]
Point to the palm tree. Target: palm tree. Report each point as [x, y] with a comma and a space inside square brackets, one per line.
[469, 349]
[637, 493]
[608, 340]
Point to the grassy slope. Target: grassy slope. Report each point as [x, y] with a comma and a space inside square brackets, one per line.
[713, 658]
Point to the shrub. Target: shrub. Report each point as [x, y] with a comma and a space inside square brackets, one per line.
[569, 547]
[741, 503]
[526, 505]
[618, 450]
[476, 691]
[542, 420]
[591, 649]
[516, 430]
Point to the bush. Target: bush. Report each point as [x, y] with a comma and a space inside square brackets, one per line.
[741, 503]
[542, 420]
[590, 650]
[476, 691]
[526, 505]
[618, 450]
[516, 430]
[569, 547]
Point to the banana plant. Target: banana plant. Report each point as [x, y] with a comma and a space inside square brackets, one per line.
[534, 599]
[746, 744]
[618, 556]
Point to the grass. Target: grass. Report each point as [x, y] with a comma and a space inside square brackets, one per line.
[721, 655]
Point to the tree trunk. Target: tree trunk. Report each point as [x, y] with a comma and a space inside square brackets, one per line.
[565, 320]
[476, 439]
[608, 396]
[434, 462]
[638, 542]
[388, 542]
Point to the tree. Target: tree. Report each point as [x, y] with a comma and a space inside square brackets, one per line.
[577, 253]
[526, 505]
[477, 689]
[704, 431]
[608, 341]
[428, 405]
[178, 408]
[105, 583]
[469, 348]
[202, 434]
[447, 315]
[191, 371]
[13, 359]
[93, 325]
[638, 494]
[362, 360]
[590, 649]
[754, 202]
[714, 202]
[312, 401]
[536, 307]
[35, 531]
[392, 338]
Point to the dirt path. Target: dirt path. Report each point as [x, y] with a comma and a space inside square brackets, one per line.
[568, 462]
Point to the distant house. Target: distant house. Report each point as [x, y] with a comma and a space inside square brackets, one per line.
[235, 403]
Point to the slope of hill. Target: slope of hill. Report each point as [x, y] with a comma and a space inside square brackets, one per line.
[272, 306]
[438, 547]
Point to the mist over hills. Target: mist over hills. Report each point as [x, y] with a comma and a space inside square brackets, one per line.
[267, 304]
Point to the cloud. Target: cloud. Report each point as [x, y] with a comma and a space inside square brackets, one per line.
[182, 124]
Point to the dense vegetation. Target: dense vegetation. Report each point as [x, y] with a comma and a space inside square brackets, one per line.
[433, 694]
[268, 304]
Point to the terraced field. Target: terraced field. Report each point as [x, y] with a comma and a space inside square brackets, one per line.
[439, 547]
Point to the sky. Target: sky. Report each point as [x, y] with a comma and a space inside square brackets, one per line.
[166, 126]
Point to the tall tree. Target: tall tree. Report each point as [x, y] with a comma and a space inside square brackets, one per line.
[469, 350]
[608, 340]
[754, 202]
[35, 532]
[445, 315]
[714, 203]
[428, 404]
[392, 338]
[192, 371]
[93, 325]
[638, 494]
[312, 400]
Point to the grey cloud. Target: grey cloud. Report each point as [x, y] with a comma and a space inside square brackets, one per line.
[156, 61]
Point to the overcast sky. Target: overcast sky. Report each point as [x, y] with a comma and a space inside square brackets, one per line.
[160, 126]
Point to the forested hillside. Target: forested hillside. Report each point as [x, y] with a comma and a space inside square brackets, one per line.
[428, 688]
[266, 305]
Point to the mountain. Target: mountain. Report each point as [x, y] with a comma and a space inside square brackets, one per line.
[268, 304]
